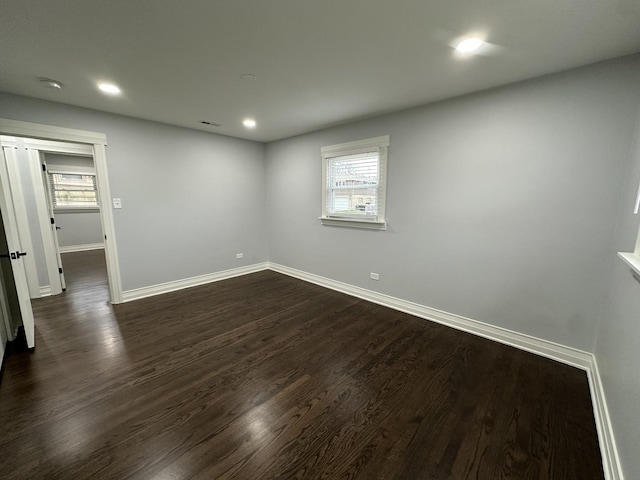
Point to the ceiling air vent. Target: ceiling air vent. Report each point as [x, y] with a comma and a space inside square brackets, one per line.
[211, 124]
[50, 83]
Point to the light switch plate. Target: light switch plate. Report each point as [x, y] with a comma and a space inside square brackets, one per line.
[117, 203]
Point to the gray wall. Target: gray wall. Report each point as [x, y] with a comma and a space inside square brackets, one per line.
[501, 205]
[191, 200]
[77, 227]
[618, 340]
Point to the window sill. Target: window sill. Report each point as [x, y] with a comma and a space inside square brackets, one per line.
[632, 260]
[347, 222]
[76, 210]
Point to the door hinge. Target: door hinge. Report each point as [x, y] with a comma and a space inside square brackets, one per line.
[44, 167]
[60, 270]
[53, 222]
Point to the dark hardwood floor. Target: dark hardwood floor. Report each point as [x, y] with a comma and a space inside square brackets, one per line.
[268, 377]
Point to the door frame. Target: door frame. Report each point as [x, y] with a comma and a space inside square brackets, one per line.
[36, 150]
[97, 143]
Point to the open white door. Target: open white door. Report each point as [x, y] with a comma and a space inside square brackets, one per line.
[53, 225]
[44, 220]
[14, 252]
[19, 205]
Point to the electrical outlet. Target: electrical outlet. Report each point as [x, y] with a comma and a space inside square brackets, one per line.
[239, 255]
[375, 276]
[117, 202]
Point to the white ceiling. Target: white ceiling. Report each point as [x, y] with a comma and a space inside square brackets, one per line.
[317, 62]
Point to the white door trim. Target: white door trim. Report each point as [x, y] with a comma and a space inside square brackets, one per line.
[97, 142]
[108, 225]
[50, 132]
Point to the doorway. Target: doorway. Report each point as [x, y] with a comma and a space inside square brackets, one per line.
[42, 139]
[73, 218]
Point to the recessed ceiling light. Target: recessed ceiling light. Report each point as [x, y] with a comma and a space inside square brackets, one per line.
[469, 45]
[109, 88]
[249, 122]
[50, 83]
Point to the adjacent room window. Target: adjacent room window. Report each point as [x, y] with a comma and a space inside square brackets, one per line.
[73, 190]
[353, 183]
[633, 259]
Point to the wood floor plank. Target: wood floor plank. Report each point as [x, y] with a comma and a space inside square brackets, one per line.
[268, 377]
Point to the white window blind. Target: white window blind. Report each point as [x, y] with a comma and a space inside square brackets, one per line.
[353, 190]
[73, 190]
[353, 185]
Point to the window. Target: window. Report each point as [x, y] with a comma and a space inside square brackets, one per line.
[353, 183]
[633, 259]
[73, 190]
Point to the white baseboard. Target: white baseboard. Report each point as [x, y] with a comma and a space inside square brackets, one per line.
[555, 351]
[144, 292]
[45, 291]
[610, 459]
[81, 248]
[561, 353]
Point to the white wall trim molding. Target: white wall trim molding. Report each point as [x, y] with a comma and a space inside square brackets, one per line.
[45, 291]
[608, 449]
[81, 248]
[159, 289]
[561, 353]
[49, 132]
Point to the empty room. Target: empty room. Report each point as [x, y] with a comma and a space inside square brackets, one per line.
[320, 239]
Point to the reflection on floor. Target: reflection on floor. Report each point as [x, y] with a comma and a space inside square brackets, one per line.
[86, 273]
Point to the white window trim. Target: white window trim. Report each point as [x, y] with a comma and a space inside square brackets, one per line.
[352, 148]
[633, 259]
